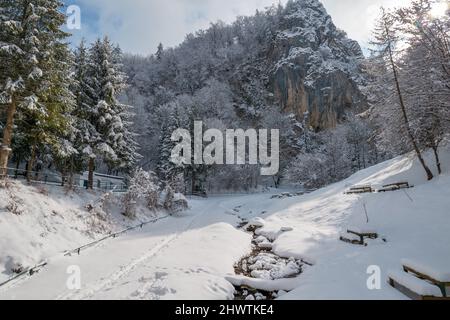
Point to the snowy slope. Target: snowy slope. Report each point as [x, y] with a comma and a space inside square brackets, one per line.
[416, 228]
[50, 221]
[192, 256]
[186, 257]
[414, 224]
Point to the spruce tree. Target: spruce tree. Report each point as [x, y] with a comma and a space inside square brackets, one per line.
[86, 135]
[166, 169]
[112, 142]
[35, 73]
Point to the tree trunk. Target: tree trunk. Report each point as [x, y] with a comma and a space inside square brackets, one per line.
[63, 177]
[31, 163]
[438, 161]
[71, 174]
[91, 168]
[276, 181]
[5, 147]
[193, 182]
[16, 173]
[405, 115]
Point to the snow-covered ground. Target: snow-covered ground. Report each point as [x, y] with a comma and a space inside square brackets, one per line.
[192, 256]
[42, 221]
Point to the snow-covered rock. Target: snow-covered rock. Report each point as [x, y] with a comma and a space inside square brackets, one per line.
[269, 266]
[257, 222]
[261, 239]
[318, 67]
[264, 284]
[265, 245]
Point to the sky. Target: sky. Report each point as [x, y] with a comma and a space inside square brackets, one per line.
[140, 25]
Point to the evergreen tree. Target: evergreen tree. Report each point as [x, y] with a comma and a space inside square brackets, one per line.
[86, 135]
[35, 70]
[160, 51]
[111, 141]
[166, 169]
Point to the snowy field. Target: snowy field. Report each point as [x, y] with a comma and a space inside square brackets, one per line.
[193, 256]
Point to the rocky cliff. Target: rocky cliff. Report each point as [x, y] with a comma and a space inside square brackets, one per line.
[317, 66]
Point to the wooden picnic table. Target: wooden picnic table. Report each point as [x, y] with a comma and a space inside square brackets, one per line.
[414, 287]
[360, 189]
[425, 272]
[395, 186]
[361, 234]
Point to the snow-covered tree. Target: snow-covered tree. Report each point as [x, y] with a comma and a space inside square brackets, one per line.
[226, 76]
[387, 43]
[412, 107]
[34, 73]
[143, 186]
[106, 121]
[429, 115]
[362, 150]
[166, 169]
[160, 51]
[308, 170]
[426, 66]
[86, 136]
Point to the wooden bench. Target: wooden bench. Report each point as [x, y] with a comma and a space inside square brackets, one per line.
[441, 284]
[364, 234]
[352, 241]
[413, 287]
[395, 186]
[360, 189]
[361, 236]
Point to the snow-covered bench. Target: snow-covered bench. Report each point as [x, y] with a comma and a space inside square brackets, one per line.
[361, 234]
[413, 287]
[395, 186]
[360, 189]
[439, 275]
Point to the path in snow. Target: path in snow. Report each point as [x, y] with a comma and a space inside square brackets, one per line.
[162, 260]
[115, 280]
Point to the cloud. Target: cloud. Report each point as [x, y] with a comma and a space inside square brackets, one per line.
[357, 17]
[140, 25]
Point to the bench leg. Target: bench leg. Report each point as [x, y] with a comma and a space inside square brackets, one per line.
[443, 290]
[361, 240]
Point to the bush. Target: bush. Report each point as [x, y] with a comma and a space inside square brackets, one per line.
[145, 190]
[173, 202]
[179, 203]
[144, 187]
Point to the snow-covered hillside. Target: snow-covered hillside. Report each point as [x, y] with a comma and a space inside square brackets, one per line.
[39, 222]
[193, 256]
[413, 222]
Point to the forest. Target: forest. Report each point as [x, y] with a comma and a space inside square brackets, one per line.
[90, 107]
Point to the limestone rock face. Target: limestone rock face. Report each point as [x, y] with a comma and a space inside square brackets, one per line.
[317, 66]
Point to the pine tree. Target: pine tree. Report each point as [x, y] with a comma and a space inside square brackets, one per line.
[35, 82]
[160, 51]
[12, 72]
[114, 144]
[86, 135]
[166, 169]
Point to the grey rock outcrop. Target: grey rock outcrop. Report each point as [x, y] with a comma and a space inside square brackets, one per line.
[317, 66]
